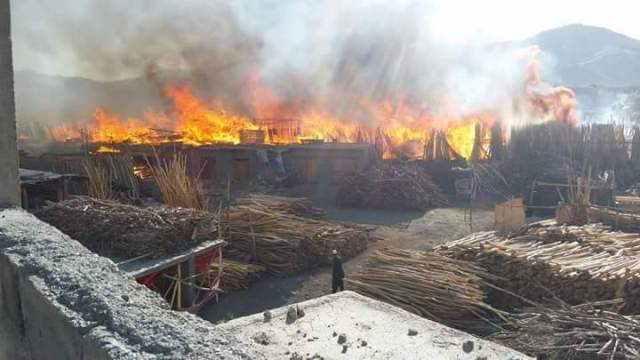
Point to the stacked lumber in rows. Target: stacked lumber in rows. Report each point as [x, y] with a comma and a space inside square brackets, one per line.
[394, 187]
[425, 283]
[585, 264]
[124, 231]
[286, 244]
[297, 206]
[585, 331]
[618, 220]
[598, 236]
[237, 275]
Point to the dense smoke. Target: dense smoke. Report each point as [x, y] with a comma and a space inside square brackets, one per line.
[283, 55]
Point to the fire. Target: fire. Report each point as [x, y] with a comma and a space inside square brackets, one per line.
[65, 132]
[107, 150]
[462, 137]
[400, 128]
[200, 125]
[110, 129]
[550, 103]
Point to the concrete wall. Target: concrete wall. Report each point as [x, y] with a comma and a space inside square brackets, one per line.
[9, 190]
[60, 301]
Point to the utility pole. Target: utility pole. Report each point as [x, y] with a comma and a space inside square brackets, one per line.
[9, 186]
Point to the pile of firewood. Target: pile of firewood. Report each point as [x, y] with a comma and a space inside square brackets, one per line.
[617, 219]
[574, 332]
[124, 231]
[297, 206]
[405, 187]
[286, 244]
[425, 283]
[237, 275]
[573, 263]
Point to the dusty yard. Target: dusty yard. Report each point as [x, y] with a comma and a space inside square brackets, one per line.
[408, 230]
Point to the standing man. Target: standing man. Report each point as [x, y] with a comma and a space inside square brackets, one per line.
[337, 275]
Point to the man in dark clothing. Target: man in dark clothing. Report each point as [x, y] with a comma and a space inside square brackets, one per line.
[338, 273]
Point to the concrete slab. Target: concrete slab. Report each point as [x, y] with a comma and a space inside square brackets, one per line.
[372, 330]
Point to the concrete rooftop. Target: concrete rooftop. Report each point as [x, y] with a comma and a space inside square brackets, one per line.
[373, 330]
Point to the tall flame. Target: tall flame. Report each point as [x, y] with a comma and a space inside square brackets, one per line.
[400, 127]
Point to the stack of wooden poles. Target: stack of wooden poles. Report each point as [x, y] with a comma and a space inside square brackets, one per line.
[113, 229]
[297, 206]
[237, 275]
[425, 283]
[585, 331]
[286, 244]
[395, 187]
[574, 263]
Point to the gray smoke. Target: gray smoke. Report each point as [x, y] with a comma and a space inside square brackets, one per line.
[338, 55]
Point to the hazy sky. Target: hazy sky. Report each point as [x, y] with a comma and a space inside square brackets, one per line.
[69, 37]
[491, 20]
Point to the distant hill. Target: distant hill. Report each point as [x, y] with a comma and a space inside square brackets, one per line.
[586, 55]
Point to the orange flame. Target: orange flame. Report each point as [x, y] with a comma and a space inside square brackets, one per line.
[401, 130]
[65, 132]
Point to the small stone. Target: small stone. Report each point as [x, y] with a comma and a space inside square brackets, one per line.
[342, 338]
[125, 297]
[304, 335]
[413, 332]
[299, 311]
[344, 348]
[261, 338]
[335, 334]
[296, 356]
[290, 343]
[267, 316]
[363, 343]
[292, 315]
[467, 346]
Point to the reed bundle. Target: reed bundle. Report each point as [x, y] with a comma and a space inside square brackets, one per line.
[575, 263]
[237, 275]
[286, 244]
[177, 187]
[100, 183]
[424, 283]
[113, 229]
[586, 331]
[396, 187]
[297, 206]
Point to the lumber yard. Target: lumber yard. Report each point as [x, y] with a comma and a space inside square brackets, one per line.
[313, 180]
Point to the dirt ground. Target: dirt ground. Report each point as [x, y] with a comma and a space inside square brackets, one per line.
[408, 230]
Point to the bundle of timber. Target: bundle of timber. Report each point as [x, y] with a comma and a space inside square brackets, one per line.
[237, 275]
[573, 263]
[297, 206]
[425, 283]
[114, 229]
[617, 219]
[286, 244]
[585, 331]
[406, 187]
